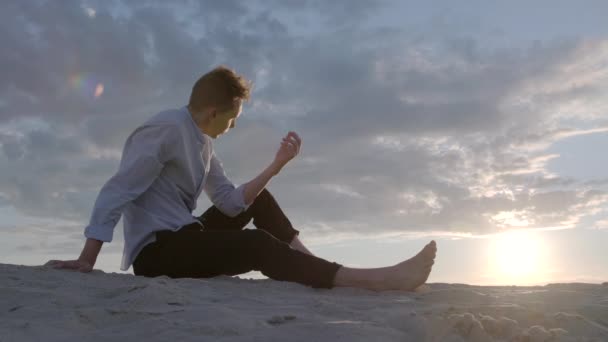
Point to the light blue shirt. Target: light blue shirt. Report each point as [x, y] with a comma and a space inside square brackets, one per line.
[166, 163]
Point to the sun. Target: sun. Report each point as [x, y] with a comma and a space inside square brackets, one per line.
[516, 257]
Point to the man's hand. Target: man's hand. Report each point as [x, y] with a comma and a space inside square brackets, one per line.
[80, 265]
[85, 261]
[290, 147]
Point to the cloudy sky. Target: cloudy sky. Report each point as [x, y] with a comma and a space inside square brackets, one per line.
[483, 127]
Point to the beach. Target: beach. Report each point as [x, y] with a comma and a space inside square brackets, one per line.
[39, 303]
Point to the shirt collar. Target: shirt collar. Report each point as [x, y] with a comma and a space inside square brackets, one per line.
[200, 136]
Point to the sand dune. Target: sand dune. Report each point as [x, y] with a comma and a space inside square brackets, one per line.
[43, 304]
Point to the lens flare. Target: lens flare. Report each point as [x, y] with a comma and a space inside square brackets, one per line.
[98, 90]
[86, 84]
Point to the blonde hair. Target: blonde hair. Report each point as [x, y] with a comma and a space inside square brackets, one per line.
[221, 88]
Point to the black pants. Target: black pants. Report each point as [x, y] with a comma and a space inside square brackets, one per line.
[220, 246]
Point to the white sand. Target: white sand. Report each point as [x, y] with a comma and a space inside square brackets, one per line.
[43, 304]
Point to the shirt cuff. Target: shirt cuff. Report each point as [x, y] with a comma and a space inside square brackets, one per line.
[241, 197]
[98, 233]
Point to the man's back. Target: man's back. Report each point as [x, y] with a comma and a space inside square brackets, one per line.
[164, 168]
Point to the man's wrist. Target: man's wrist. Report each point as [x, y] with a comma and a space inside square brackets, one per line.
[275, 167]
[90, 251]
[91, 261]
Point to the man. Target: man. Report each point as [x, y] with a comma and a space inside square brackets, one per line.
[168, 161]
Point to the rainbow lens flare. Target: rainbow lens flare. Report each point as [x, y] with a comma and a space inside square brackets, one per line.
[86, 84]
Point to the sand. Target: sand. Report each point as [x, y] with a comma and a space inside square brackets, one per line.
[39, 303]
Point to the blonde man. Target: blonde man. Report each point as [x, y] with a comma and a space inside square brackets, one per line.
[168, 161]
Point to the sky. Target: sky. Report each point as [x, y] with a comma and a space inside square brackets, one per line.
[479, 124]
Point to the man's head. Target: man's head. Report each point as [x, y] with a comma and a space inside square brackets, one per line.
[217, 99]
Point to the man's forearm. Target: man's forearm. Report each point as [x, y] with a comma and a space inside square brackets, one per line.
[91, 251]
[256, 185]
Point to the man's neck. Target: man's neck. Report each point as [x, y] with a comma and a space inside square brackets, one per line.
[198, 119]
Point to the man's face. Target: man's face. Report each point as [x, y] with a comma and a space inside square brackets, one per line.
[226, 120]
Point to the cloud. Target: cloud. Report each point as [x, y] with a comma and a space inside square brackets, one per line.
[601, 224]
[402, 131]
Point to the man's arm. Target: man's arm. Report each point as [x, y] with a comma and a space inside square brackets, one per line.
[85, 262]
[145, 152]
[256, 185]
[290, 147]
[230, 200]
[90, 251]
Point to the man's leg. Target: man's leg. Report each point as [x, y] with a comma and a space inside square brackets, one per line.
[266, 215]
[297, 244]
[196, 253]
[207, 253]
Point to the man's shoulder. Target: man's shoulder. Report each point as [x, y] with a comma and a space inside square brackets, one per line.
[170, 117]
[163, 124]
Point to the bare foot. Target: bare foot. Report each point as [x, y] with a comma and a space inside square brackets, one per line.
[405, 276]
[411, 273]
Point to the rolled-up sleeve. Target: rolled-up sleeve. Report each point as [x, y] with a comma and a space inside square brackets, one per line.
[223, 194]
[146, 151]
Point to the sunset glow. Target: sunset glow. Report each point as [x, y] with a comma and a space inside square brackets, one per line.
[516, 257]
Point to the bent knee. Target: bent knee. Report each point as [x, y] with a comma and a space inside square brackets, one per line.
[262, 237]
[264, 195]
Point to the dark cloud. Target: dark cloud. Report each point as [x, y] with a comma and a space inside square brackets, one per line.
[425, 129]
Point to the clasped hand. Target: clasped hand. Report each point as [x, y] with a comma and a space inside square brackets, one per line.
[290, 147]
